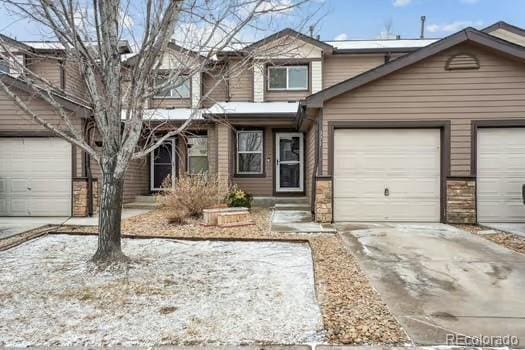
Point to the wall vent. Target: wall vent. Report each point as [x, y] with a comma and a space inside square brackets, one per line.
[462, 61]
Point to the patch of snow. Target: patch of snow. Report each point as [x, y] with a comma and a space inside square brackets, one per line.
[254, 108]
[380, 44]
[176, 292]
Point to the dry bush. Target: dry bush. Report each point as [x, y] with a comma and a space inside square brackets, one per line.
[190, 196]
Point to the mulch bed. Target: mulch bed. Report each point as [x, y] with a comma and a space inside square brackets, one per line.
[353, 312]
[508, 240]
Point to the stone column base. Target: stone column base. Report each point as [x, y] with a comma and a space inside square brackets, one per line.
[461, 201]
[80, 196]
[323, 211]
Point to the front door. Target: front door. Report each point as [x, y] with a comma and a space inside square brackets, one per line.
[289, 168]
[163, 164]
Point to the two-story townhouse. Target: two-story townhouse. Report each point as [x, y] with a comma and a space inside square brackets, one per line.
[364, 130]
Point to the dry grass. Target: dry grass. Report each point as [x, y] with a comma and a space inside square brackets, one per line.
[353, 313]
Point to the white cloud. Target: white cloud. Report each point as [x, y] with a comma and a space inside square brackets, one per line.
[401, 3]
[452, 27]
[342, 36]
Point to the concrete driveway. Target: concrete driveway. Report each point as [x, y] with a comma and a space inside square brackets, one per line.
[439, 280]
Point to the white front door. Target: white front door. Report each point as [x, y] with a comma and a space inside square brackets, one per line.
[289, 158]
[163, 164]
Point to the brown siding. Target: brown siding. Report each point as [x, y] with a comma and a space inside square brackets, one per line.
[170, 103]
[309, 161]
[341, 67]
[270, 96]
[241, 84]
[47, 68]
[217, 93]
[74, 82]
[426, 91]
[258, 186]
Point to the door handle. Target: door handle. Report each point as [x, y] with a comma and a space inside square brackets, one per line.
[278, 161]
[523, 193]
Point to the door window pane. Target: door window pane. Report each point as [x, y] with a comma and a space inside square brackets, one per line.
[289, 149]
[163, 154]
[160, 173]
[289, 175]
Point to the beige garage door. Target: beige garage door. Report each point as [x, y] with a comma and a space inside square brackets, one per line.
[387, 175]
[501, 174]
[35, 177]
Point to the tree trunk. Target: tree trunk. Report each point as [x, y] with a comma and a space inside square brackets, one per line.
[109, 238]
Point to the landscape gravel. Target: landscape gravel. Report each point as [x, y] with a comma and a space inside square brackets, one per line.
[508, 240]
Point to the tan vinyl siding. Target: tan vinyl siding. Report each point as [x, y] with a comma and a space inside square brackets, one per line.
[309, 160]
[169, 103]
[258, 186]
[241, 83]
[47, 68]
[74, 82]
[426, 91]
[270, 96]
[216, 87]
[341, 67]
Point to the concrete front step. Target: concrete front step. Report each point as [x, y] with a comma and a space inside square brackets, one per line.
[146, 199]
[141, 205]
[292, 206]
[268, 202]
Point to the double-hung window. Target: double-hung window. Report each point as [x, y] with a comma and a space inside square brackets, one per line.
[288, 77]
[178, 88]
[4, 66]
[250, 152]
[197, 155]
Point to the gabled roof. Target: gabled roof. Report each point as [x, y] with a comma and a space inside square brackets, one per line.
[467, 35]
[506, 26]
[289, 32]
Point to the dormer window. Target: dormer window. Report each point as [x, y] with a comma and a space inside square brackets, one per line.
[293, 78]
[179, 88]
[4, 66]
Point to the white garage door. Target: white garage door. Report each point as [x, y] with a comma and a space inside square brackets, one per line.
[35, 177]
[387, 175]
[501, 174]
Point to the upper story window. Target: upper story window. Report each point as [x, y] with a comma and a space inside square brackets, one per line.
[4, 66]
[250, 152]
[179, 88]
[288, 77]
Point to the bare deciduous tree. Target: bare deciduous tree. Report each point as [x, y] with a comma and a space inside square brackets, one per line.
[90, 33]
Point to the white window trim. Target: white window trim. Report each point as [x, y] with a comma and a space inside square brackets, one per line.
[288, 88]
[188, 155]
[261, 152]
[175, 97]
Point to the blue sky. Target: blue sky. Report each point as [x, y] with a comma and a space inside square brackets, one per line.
[365, 19]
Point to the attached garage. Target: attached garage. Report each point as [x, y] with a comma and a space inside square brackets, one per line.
[35, 177]
[500, 174]
[387, 175]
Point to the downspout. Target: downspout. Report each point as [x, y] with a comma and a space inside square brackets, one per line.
[87, 169]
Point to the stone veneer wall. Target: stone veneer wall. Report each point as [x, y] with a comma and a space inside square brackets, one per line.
[323, 200]
[80, 196]
[461, 201]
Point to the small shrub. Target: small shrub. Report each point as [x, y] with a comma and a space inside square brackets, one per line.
[239, 198]
[190, 196]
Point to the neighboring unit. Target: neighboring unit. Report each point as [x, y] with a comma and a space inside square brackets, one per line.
[421, 130]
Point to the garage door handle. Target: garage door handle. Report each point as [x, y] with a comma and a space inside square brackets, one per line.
[387, 192]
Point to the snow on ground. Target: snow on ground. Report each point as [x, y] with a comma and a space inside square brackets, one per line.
[176, 292]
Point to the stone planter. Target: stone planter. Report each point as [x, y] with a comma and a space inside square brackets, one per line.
[211, 216]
